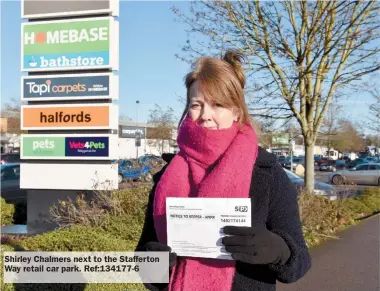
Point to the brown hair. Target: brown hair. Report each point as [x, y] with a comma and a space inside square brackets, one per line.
[223, 82]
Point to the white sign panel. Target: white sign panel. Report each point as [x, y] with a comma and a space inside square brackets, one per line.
[79, 176]
[66, 8]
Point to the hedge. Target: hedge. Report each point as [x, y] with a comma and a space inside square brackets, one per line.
[7, 212]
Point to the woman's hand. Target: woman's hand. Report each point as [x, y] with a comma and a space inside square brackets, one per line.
[255, 245]
[158, 247]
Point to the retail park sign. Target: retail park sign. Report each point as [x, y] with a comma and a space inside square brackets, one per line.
[70, 44]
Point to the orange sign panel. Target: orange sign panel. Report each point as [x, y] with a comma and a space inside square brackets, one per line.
[60, 116]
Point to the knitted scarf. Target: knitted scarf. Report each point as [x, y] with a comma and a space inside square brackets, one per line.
[210, 163]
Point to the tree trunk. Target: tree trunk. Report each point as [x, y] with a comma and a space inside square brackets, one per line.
[309, 166]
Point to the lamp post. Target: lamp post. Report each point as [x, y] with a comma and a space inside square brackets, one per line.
[137, 131]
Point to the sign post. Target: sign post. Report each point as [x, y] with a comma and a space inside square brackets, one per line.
[70, 50]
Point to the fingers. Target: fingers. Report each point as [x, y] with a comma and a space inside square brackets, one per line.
[241, 250]
[241, 230]
[250, 259]
[157, 247]
[236, 240]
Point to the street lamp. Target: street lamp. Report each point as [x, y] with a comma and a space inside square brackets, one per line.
[137, 140]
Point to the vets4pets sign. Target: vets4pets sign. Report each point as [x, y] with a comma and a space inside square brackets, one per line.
[69, 87]
[69, 147]
[71, 44]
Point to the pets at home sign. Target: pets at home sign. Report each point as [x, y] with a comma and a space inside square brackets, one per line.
[70, 44]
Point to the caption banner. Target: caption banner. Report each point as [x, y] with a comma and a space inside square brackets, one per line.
[86, 267]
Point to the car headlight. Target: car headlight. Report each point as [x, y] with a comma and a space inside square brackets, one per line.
[320, 192]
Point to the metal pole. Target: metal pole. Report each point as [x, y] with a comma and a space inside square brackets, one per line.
[137, 148]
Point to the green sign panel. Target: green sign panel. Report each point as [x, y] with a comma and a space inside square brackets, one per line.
[43, 146]
[67, 44]
[280, 139]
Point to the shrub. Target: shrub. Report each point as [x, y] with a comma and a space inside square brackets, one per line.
[7, 212]
[76, 239]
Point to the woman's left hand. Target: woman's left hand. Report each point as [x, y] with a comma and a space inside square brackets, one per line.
[255, 245]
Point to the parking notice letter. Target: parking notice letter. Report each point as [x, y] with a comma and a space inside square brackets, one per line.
[194, 225]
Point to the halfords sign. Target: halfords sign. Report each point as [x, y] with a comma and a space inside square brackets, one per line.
[64, 8]
[70, 44]
[131, 132]
[69, 87]
[73, 116]
[68, 147]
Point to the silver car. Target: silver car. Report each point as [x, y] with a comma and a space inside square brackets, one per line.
[364, 174]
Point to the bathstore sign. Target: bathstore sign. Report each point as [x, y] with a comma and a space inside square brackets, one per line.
[69, 87]
[69, 44]
[67, 147]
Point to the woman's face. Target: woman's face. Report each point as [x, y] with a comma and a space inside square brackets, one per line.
[212, 116]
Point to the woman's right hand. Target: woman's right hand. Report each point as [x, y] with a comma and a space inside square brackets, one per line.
[158, 247]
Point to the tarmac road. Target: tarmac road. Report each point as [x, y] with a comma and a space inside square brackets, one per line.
[348, 264]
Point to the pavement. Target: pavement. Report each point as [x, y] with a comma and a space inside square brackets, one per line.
[350, 263]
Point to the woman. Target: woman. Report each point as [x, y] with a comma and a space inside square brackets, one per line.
[219, 157]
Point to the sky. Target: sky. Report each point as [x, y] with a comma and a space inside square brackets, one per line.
[148, 69]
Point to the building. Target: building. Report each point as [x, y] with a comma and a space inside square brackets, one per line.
[139, 139]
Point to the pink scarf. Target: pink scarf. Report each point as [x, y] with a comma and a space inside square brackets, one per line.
[211, 163]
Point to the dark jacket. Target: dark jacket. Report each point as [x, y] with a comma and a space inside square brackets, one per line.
[274, 203]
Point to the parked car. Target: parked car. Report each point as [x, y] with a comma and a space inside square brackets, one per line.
[10, 158]
[357, 162]
[364, 174]
[332, 165]
[10, 183]
[320, 188]
[296, 161]
[133, 170]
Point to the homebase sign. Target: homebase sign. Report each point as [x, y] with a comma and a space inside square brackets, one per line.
[69, 147]
[70, 44]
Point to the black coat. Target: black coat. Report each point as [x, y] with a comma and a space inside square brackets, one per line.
[275, 204]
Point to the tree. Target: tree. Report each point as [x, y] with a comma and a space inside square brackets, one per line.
[162, 131]
[348, 139]
[11, 109]
[374, 110]
[300, 54]
[330, 127]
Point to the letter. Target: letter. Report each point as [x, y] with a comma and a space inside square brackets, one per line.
[66, 61]
[73, 36]
[53, 63]
[35, 145]
[87, 117]
[51, 145]
[64, 36]
[42, 145]
[55, 88]
[29, 38]
[103, 33]
[53, 37]
[44, 63]
[80, 117]
[85, 62]
[73, 117]
[99, 61]
[66, 118]
[60, 116]
[82, 87]
[42, 118]
[73, 88]
[51, 118]
[74, 62]
[84, 35]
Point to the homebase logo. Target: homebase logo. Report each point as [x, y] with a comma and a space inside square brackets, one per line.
[67, 36]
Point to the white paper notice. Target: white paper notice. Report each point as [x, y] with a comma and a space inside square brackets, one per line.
[194, 225]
